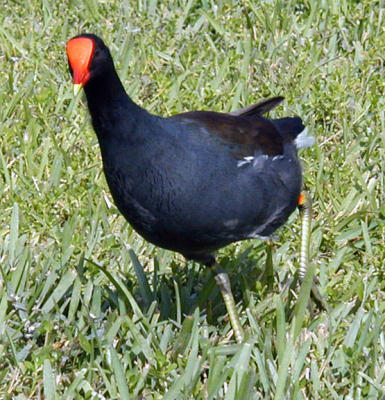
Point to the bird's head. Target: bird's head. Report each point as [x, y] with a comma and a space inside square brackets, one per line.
[88, 57]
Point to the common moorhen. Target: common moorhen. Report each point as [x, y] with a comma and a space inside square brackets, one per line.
[196, 181]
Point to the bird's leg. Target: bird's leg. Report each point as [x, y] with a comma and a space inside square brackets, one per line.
[223, 281]
[304, 204]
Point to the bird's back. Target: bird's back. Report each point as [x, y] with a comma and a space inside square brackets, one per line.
[185, 188]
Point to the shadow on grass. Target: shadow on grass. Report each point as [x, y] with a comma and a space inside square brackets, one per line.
[189, 285]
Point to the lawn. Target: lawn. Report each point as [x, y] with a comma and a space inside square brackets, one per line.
[90, 310]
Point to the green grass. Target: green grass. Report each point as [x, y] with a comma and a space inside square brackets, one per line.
[88, 309]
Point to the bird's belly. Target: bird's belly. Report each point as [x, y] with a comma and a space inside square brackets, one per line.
[194, 214]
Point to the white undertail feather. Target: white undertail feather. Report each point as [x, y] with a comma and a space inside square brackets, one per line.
[304, 140]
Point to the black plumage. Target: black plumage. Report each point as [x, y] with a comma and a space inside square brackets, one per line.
[196, 181]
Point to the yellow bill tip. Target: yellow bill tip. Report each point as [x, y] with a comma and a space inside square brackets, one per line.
[77, 88]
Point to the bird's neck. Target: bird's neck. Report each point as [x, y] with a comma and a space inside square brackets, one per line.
[112, 111]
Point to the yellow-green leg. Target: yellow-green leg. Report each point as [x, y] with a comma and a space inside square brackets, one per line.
[306, 211]
[223, 281]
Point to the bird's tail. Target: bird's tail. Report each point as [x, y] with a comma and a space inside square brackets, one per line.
[294, 127]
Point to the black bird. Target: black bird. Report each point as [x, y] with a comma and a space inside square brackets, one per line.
[196, 181]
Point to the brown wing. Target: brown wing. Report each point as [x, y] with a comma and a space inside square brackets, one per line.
[246, 135]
